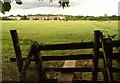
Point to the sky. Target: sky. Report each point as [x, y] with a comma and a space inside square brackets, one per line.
[77, 7]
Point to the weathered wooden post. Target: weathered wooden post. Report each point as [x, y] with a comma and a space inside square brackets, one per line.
[26, 65]
[107, 48]
[95, 55]
[38, 61]
[17, 49]
[118, 73]
[118, 62]
[34, 50]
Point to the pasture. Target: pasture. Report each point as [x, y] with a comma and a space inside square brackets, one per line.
[48, 32]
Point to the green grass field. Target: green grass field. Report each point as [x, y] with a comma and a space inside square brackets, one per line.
[48, 32]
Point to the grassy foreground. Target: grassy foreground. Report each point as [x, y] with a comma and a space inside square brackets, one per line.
[47, 32]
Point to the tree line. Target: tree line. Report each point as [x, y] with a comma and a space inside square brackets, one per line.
[24, 17]
[70, 17]
[93, 18]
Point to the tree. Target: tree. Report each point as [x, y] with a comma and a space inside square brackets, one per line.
[90, 18]
[114, 17]
[24, 17]
[6, 6]
[4, 18]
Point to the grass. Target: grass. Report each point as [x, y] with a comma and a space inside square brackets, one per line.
[48, 32]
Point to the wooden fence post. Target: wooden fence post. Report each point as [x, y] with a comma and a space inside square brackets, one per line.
[107, 47]
[17, 49]
[118, 64]
[26, 65]
[118, 73]
[95, 55]
[38, 61]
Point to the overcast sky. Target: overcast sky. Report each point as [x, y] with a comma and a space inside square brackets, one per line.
[77, 7]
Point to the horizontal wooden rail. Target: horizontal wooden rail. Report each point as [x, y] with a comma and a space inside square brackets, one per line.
[70, 57]
[114, 69]
[67, 46]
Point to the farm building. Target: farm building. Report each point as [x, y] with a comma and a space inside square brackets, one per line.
[46, 17]
[14, 17]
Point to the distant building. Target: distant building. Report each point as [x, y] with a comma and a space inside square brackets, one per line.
[46, 17]
[14, 17]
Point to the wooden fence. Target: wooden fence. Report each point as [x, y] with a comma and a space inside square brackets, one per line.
[69, 66]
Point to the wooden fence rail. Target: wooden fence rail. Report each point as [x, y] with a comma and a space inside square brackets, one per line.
[68, 46]
[107, 55]
[70, 57]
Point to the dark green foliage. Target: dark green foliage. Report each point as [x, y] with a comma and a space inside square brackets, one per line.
[6, 6]
[113, 17]
[4, 18]
[24, 17]
[1, 7]
[90, 18]
[118, 17]
[64, 3]
[93, 18]
[19, 3]
[105, 34]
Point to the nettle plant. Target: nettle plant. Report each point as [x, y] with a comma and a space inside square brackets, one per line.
[105, 34]
[5, 5]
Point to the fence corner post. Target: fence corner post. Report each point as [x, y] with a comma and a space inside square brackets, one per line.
[16, 45]
[95, 55]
